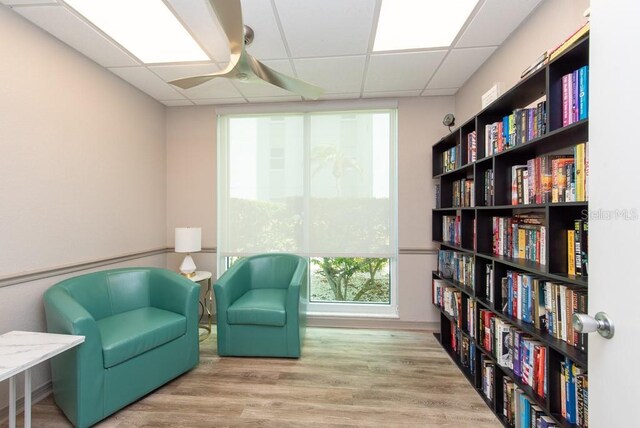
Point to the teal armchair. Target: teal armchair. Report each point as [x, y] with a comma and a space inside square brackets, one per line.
[141, 330]
[261, 304]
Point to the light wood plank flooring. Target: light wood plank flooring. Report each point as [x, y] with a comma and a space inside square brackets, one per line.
[346, 377]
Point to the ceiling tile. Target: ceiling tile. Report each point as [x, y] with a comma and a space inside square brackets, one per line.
[459, 66]
[200, 20]
[439, 92]
[219, 87]
[66, 26]
[267, 43]
[386, 94]
[401, 71]
[334, 75]
[264, 89]
[326, 28]
[177, 103]
[219, 101]
[343, 96]
[274, 99]
[495, 20]
[27, 2]
[145, 80]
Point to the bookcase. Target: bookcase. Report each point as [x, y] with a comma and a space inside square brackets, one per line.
[511, 221]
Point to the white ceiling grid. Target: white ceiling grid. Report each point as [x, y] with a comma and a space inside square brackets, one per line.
[326, 42]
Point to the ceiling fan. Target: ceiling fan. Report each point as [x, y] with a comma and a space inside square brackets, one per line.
[242, 66]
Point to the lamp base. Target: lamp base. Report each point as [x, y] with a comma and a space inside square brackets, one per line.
[188, 267]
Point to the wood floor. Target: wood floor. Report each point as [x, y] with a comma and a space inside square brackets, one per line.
[348, 378]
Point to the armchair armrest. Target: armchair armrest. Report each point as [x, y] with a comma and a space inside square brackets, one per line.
[298, 286]
[173, 292]
[66, 316]
[78, 374]
[232, 284]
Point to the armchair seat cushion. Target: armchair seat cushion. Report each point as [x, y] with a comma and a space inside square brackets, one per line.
[259, 306]
[129, 334]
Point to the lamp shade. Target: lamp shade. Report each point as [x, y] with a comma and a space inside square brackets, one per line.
[188, 239]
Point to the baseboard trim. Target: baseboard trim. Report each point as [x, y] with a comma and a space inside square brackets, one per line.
[390, 324]
[37, 394]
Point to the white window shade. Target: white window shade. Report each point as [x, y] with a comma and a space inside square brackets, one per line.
[315, 184]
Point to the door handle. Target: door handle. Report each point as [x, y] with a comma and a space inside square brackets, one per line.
[583, 323]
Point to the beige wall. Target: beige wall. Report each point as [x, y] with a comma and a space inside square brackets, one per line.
[191, 179]
[550, 24]
[82, 169]
[191, 164]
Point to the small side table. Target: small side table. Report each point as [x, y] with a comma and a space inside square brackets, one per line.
[19, 352]
[207, 303]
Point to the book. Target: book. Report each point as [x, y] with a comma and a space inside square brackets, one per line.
[583, 92]
[540, 62]
[571, 251]
[570, 41]
[578, 225]
[547, 422]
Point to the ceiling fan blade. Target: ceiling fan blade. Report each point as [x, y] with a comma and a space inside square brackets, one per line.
[283, 81]
[190, 82]
[229, 13]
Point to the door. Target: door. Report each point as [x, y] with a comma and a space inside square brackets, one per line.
[614, 226]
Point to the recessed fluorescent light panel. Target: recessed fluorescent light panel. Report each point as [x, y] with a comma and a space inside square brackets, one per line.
[146, 28]
[419, 24]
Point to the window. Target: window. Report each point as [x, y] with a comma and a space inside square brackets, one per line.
[318, 184]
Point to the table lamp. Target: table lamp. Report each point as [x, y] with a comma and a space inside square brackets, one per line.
[188, 240]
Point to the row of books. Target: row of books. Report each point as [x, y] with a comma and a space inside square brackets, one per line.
[517, 128]
[574, 393]
[553, 53]
[467, 354]
[451, 159]
[463, 193]
[488, 281]
[551, 178]
[520, 411]
[575, 96]
[549, 306]
[449, 299]
[451, 230]
[514, 350]
[457, 266]
[488, 188]
[522, 236]
[578, 248]
[472, 146]
[488, 369]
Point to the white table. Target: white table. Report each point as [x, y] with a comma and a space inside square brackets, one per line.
[207, 306]
[19, 352]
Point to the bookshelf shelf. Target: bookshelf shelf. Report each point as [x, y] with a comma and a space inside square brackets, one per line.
[526, 138]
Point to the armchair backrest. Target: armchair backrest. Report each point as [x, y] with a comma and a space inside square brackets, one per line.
[273, 270]
[110, 292]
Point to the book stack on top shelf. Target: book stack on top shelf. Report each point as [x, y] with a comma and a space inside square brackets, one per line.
[512, 224]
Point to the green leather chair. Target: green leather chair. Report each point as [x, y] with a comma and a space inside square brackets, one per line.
[141, 330]
[261, 306]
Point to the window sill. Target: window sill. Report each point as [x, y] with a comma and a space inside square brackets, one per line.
[352, 315]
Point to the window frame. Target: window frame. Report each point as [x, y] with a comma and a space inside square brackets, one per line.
[325, 309]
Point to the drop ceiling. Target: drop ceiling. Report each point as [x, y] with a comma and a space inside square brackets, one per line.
[326, 42]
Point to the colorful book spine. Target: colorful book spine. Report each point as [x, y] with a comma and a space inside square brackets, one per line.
[583, 91]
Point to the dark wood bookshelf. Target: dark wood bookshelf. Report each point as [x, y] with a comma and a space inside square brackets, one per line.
[476, 231]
